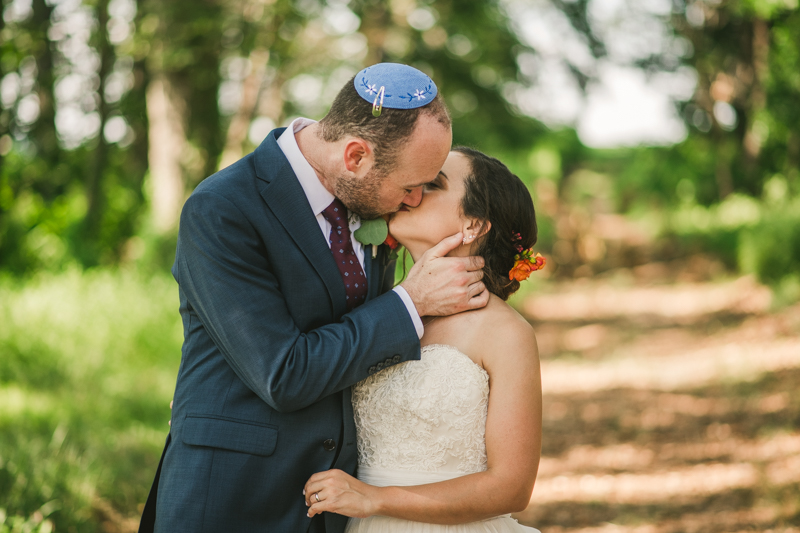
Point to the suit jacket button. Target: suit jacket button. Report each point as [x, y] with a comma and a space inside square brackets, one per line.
[329, 445]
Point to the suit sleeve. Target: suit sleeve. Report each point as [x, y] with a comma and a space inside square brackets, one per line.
[219, 266]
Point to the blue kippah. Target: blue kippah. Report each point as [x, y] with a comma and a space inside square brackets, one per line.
[403, 87]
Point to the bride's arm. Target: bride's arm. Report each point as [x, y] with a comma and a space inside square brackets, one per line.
[513, 446]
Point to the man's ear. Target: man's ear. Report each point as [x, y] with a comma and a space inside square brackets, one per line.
[358, 156]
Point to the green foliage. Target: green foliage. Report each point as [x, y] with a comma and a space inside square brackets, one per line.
[746, 57]
[37, 523]
[767, 9]
[759, 237]
[64, 204]
[87, 368]
[771, 248]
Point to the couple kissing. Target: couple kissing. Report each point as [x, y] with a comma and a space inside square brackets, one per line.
[313, 394]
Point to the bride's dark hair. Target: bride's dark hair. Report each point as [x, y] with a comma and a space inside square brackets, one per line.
[494, 194]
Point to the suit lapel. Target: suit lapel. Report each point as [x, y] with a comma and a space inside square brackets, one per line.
[285, 198]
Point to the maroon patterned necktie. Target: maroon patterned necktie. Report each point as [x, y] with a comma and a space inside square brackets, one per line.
[355, 282]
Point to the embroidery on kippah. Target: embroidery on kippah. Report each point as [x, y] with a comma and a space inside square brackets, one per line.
[371, 88]
[419, 95]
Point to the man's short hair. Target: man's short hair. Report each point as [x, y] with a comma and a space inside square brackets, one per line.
[351, 115]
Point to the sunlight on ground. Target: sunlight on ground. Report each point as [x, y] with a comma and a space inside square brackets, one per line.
[682, 483]
[745, 361]
[684, 301]
[667, 409]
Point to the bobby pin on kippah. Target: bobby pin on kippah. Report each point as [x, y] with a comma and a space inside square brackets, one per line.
[394, 86]
[377, 108]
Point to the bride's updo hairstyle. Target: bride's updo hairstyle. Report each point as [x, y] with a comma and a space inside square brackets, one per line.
[493, 193]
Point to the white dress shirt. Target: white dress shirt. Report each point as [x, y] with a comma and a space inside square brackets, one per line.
[319, 198]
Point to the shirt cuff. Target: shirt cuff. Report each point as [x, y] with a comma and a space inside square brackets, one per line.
[412, 310]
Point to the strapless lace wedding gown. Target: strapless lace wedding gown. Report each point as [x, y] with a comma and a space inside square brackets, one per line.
[421, 422]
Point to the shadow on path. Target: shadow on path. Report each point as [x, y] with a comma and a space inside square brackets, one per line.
[658, 424]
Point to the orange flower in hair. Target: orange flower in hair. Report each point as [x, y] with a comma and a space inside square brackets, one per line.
[525, 262]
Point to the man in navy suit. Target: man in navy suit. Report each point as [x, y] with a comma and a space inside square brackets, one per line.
[283, 310]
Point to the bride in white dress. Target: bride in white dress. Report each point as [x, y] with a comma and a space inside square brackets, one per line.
[451, 443]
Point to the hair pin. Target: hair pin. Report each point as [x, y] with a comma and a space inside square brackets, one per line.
[377, 108]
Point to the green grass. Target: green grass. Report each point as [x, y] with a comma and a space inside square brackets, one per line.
[87, 368]
[88, 362]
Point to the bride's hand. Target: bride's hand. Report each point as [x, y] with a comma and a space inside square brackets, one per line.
[340, 493]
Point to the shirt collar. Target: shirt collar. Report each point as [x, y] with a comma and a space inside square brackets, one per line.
[318, 196]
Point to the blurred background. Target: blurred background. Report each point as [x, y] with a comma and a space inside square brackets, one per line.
[660, 140]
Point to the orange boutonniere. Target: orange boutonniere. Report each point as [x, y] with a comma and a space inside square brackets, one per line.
[391, 242]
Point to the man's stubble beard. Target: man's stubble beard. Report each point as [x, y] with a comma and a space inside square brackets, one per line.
[362, 196]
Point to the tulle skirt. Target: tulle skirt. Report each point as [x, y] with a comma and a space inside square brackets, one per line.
[385, 524]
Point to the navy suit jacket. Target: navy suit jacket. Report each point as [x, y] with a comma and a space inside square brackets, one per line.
[262, 399]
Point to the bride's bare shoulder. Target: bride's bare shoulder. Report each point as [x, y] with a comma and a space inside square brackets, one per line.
[498, 331]
[508, 327]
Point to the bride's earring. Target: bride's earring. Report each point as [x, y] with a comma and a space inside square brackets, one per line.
[467, 239]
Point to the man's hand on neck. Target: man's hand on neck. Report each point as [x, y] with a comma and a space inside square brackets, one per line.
[440, 285]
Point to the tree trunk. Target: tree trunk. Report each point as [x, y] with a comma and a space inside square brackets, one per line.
[723, 176]
[5, 139]
[167, 140]
[94, 182]
[237, 131]
[43, 134]
[758, 97]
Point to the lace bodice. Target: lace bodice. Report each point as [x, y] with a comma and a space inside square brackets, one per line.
[424, 416]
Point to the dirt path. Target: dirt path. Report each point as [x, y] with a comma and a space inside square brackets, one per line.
[667, 409]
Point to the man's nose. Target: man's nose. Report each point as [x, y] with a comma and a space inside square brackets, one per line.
[414, 197]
